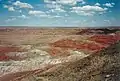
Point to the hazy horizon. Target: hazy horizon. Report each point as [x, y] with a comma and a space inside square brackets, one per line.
[60, 13]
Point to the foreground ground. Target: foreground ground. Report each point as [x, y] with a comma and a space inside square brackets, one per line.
[59, 54]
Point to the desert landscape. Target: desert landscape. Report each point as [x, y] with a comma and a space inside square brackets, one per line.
[59, 54]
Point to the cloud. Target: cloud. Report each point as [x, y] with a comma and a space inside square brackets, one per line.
[65, 2]
[14, 5]
[88, 10]
[107, 21]
[37, 13]
[71, 2]
[97, 4]
[53, 5]
[57, 10]
[5, 6]
[15, 18]
[109, 4]
[50, 1]
[10, 8]
[23, 16]
[84, 13]
[43, 14]
[22, 5]
[55, 16]
[81, 1]
[11, 19]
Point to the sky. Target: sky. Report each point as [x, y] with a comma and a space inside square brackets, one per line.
[60, 13]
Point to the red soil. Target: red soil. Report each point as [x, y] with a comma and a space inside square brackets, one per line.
[4, 58]
[105, 39]
[66, 43]
[4, 50]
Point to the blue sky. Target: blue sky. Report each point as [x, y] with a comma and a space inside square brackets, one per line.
[60, 13]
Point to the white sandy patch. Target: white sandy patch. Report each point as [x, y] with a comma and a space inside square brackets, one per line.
[38, 59]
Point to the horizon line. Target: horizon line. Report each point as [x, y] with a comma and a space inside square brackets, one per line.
[59, 27]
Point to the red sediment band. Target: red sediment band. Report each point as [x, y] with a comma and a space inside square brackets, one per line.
[66, 43]
[6, 49]
[105, 39]
[4, 57]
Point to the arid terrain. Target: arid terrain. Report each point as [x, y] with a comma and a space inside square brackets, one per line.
[59, 54]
